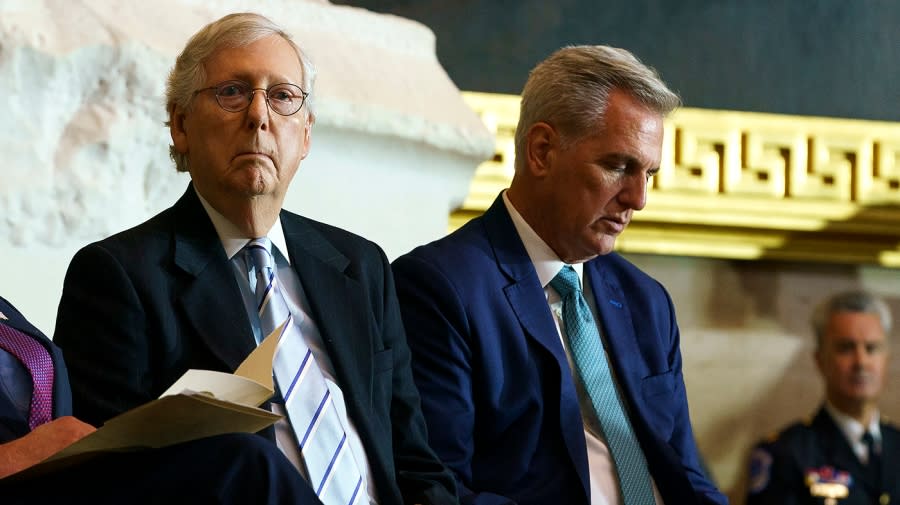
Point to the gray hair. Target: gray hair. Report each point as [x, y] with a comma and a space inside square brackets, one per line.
[849, 301]
[569, 90]
[233, 30]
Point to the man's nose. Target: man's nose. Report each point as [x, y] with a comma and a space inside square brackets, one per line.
[634, 192]
[258, 110]
[861, 356]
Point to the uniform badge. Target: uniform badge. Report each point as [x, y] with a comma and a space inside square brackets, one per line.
[828, 483]
[760, 469]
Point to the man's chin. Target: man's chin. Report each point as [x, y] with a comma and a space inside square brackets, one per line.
[862, 394]
[254, 186]
[607, 244]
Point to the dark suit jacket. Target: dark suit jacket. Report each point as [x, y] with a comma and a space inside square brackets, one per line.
[13, 424]
[779, 466]
[141, 307]
[497, 391]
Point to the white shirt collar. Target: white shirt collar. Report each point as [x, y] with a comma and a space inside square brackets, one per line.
[852, 428]
[233, 240]
[546, 263]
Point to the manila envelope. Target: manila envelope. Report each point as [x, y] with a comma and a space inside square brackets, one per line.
[202, 403]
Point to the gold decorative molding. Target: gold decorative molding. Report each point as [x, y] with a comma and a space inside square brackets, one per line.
[745, 185]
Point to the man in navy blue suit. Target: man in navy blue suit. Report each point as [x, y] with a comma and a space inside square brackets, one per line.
[235, 468]
[507, 408]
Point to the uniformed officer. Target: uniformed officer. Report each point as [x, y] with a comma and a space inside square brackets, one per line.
[847, 454]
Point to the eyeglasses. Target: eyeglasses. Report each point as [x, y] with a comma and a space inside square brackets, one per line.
[235, 96]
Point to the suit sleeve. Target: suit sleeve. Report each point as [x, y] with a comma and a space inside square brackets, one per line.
[100, 327]
[421, 476]
[436, 327]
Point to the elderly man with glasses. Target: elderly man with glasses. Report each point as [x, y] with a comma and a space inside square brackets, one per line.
[203, 282]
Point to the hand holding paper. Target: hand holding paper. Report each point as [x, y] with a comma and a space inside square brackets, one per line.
[201, 403]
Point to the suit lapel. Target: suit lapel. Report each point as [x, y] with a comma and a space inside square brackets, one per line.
[211, 299]
[62, 394]
[629, 364]
[890, 447]
[14, 319]
[524, 291]
[212, 290]
[526, 297]
[338, 305]
[619, 337]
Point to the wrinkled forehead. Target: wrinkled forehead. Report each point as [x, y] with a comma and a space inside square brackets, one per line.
[272, 57]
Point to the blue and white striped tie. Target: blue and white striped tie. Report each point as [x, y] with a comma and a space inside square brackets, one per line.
[332, 470]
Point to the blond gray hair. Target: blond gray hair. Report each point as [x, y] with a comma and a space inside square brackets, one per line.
[849, 301]
[569, 90]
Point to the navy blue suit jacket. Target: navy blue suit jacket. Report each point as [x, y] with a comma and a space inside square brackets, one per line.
[13, 424]
[143, 306]
[497, 391]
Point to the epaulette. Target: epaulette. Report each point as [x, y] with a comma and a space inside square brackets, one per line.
[790, 430]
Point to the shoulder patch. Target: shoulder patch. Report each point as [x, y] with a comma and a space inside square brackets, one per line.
[760, 469]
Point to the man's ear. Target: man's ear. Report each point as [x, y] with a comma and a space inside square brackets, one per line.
[307, 135]
[177, 129]
[817, 358]
[540, 144]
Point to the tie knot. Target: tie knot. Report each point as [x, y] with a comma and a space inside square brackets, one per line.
[566, 281]
[260, 251]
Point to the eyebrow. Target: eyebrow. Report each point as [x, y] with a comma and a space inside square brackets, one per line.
[249, 78]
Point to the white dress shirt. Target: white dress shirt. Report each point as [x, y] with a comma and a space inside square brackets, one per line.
[604, 480]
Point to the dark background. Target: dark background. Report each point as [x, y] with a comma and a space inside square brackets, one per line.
[837, 58]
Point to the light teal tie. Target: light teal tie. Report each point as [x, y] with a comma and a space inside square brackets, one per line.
[593, 368]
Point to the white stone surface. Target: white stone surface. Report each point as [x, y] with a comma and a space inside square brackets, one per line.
[85, 150]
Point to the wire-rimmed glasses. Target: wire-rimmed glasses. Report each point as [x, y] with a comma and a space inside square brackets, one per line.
[234, 96]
